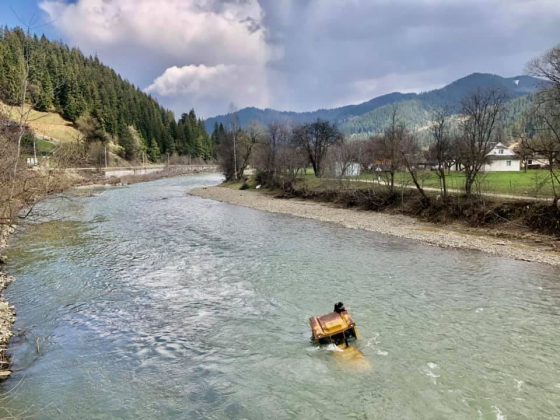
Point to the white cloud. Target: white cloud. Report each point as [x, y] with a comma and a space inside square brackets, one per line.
[206, 32]
[212, 85]
[148, 39]
[303, 54]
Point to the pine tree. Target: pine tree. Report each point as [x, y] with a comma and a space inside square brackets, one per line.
[153, 151]
[64, 80]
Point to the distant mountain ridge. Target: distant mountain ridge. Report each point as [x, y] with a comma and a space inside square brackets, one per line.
[371, 117]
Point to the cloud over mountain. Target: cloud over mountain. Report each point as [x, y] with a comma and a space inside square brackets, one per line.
[162, 44]
[303, 54]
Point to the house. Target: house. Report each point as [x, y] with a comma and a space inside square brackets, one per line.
[349, 169]
[536, 162]
[531, 160]
[501, 158]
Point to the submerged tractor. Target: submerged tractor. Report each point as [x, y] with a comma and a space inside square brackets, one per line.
[336, 327]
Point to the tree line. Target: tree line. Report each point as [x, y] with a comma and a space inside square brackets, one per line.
[90, 94]
[281, 152]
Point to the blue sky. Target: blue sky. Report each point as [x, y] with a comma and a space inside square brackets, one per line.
[295, 54]
[14, 12]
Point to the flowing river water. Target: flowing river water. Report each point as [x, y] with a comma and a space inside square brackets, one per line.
[143, 302]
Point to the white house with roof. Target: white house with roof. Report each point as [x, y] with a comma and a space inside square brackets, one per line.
[502, 158]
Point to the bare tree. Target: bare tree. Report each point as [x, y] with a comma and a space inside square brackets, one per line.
[275, 139]
[342, 156]
[316, 138]
[27, 185]
[544, 140]
[439, 151]
[366, 154]
[250, 137]
[544, 118]
[520, 148]
[480, 112]
[236, 151]
[70, 154]
[548, 67]
[411, 156]
[388, 147]
[23, 114]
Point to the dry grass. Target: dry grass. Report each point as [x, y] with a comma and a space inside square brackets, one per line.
[47, 125]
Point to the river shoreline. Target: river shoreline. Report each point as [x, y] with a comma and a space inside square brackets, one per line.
[533, 248]
[7, 311]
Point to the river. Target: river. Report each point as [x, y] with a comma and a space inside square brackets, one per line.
[145, 302]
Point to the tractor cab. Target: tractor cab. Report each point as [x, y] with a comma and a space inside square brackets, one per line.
[336, 327]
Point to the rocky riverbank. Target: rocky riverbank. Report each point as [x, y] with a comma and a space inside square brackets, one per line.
[520, 246]
[7, 313]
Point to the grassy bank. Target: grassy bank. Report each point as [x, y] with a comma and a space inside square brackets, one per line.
[476, 211]
[516, 216]
[532, 183]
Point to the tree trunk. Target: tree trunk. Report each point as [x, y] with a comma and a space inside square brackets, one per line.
[425, 198]
[443, 184]
[468, 185]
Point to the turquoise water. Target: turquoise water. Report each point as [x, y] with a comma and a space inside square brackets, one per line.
[142, 301]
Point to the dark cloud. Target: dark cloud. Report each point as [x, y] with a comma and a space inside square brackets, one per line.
[345, 51]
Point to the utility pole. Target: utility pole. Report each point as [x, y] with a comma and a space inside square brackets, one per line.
[234, 129]
[105, 156]
[235, 155]
[35, 161]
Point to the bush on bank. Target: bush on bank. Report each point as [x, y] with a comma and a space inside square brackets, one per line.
[476, 211]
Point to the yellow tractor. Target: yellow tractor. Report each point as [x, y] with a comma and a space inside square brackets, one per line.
[336, 327]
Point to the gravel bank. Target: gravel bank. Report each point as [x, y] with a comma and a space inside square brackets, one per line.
[7, 313]
[534, 248]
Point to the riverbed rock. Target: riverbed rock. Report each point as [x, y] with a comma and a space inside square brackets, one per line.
[7, 313]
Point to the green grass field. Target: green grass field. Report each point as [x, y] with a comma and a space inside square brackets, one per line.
[45, 147]
[533, 183]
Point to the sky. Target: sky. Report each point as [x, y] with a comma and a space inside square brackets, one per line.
[219, 55]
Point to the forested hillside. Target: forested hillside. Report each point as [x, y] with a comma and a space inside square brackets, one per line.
[246, 116]
[63, 80]
[414, 109]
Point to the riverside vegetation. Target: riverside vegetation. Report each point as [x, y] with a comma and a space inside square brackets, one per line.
[281, 155]
[77, 112]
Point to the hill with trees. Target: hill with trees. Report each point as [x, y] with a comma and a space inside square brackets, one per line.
[415, 109]
[55, 78]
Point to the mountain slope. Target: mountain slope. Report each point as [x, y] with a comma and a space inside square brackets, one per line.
[246, 116]
[371, 117]
[62, 80]
[46, 125]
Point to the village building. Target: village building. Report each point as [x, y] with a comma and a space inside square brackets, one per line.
[501, 159]
[349, 169]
